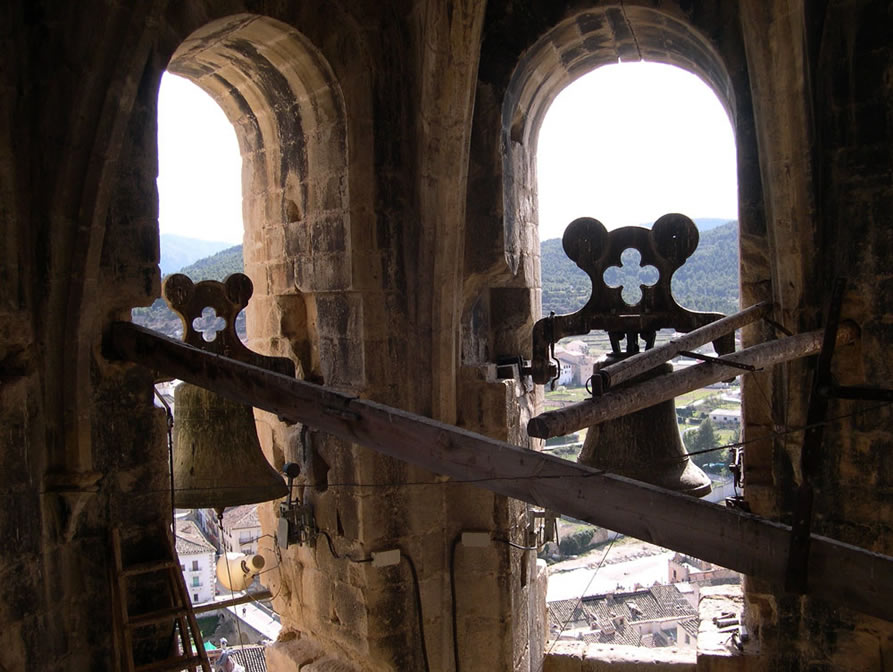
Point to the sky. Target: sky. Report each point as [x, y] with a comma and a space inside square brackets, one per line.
[628, 143]
[624, 144]
[199, 165]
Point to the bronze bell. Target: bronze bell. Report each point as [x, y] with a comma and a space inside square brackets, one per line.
[218, 461]
[646, 446]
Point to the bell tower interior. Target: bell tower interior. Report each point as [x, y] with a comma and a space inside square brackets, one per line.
[390, 210]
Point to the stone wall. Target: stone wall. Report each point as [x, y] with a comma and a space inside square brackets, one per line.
[390, 232]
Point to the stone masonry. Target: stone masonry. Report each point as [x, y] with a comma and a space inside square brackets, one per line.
[389, 202]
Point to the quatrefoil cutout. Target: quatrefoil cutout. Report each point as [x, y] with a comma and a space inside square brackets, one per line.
[631, 276]
[209, 324]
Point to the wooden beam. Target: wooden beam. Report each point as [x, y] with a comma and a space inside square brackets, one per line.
[634, 397]
[610, 376]
[844, 574]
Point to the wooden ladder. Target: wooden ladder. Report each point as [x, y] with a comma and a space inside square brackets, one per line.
[191, 652]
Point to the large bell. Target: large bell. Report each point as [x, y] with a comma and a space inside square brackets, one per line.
[218, 461]
[646, 446]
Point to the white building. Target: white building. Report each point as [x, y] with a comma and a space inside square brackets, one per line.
[197, 561]
[241, 529]
[576, 367]
[724, 417]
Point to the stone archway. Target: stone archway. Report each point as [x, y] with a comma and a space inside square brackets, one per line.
[286, 106]
[574, 47]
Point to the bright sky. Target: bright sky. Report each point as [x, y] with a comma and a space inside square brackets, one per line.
[624, 144]
[628, 143]
[199, 165]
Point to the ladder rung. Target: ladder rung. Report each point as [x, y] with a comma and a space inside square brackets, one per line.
[154, 617]
[171, 664]
[147, 567]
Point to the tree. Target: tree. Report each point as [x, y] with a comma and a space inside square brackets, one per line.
[703, 438]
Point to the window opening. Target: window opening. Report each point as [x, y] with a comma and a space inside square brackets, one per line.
[626, 144]
[199, 198]
[201, 233]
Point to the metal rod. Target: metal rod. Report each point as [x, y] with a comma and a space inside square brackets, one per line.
[708, 358]
[638, 364]
[847, 575]
[635, 397]
[232, 602]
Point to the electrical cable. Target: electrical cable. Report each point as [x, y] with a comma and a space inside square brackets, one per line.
[518, 546]
[416, 586]
[453, 608]
[418, 603]
[337, 555]
[594, 473]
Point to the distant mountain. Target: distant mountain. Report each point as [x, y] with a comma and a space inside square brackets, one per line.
[708, 281]
[179, 251]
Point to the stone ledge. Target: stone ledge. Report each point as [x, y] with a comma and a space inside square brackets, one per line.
[293, 653]
[716, 650]
[582, 657]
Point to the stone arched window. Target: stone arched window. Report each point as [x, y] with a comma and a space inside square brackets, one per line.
[286, 107]
[574, 47]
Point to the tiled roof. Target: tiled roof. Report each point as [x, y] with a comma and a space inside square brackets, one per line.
[690, 625]
[241, 516]
[568, 614]
[190, 539]
[609, 617]
[252, 658]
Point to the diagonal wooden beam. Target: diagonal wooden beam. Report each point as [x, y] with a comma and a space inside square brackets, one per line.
[841, 573]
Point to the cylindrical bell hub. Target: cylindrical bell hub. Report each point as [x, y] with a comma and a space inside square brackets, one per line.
[218, 461]
[646, 445]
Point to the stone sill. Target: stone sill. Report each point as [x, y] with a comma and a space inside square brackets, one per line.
[582, 657]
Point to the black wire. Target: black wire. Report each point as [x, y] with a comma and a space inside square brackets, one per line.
[418, 604]
[338, 556]
[592, 474]
[518, 546]
[416, 586]
[453, 608]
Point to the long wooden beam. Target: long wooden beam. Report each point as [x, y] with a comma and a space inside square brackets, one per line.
[841, 573]
[635, 397]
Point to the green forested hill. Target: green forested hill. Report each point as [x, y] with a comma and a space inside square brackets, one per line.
[217, 266]
[708, 280]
